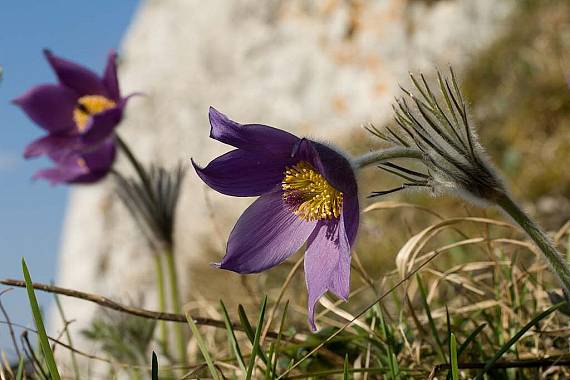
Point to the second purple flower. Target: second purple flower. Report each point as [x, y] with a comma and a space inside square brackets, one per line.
[307, 193]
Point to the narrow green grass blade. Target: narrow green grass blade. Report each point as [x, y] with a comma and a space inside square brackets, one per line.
[245, 323]
[467, 342]
[470, 338]
[345, 370]
[389, 357]
[432, 325]
[395, 366]
[256, 349]
[269, 366]
[516, 337]
[154, 371]
[46, 348]
[249, 330]
[203, 348]
[279, 335]
[453, 359]
[232, 337]
[20, 372]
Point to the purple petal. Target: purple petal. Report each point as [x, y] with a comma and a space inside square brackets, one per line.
[351, 216]
[102, 125]
[305, 150]
[327, 264]
[331, 164]
[51, 145]
[110, 80]
[62, 173]
[102, 158]
[49, 106]
[265, 235]
[241, 173]
[78, 78]
[252, 137]
[80, 167]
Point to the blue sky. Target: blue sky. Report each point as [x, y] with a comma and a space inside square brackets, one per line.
[31, 213]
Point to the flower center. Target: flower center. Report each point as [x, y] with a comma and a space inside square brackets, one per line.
[309, 194]
[88, 106]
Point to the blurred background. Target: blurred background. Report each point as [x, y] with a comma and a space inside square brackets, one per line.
[319, 68]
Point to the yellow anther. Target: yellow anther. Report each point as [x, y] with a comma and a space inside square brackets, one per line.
[88, 106]
[309, 194]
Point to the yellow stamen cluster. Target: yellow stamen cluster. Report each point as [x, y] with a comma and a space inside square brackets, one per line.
[309, 194]
[90, 105]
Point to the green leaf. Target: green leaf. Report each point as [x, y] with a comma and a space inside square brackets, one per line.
[432, 325]
[345, 369]
[20, 372]
[154, 372]
[203, 348]
[44, 342]
[279, 335]
[245, 323]
[468, 341]
[470, 338]
[453, 354]
[232, 337]
[516, 337]
[256, 349]
[249, 330]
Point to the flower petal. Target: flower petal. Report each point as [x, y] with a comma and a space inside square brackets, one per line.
[102, 125]
[241, 173]
[62, 173]
[265, 235]
[351, 216]
[102, 158]
[110, 80]
[331, 164]
[51, 144]
[252, 137]
[78, 78]
[50, 106]
[80, 167]
[327, 263]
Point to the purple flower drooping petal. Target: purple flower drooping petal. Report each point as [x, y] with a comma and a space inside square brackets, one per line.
[351, 218]
[251, 137]
[78, 78]
[61, 173]
[50, 106]
[80, 167]
[327, 264]
[265, 235]
[241, 173]
[110, 79]
[51, 144]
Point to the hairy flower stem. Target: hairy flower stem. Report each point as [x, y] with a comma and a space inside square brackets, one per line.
[381, 155]
[539, 237]
[136, 165]
[161, 301]
[171, 267]
[176, 304]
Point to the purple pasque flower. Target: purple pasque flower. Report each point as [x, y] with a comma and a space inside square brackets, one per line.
[307, 193]
[80, 166]
[79, 113]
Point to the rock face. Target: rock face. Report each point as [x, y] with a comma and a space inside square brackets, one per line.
[320, 68]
